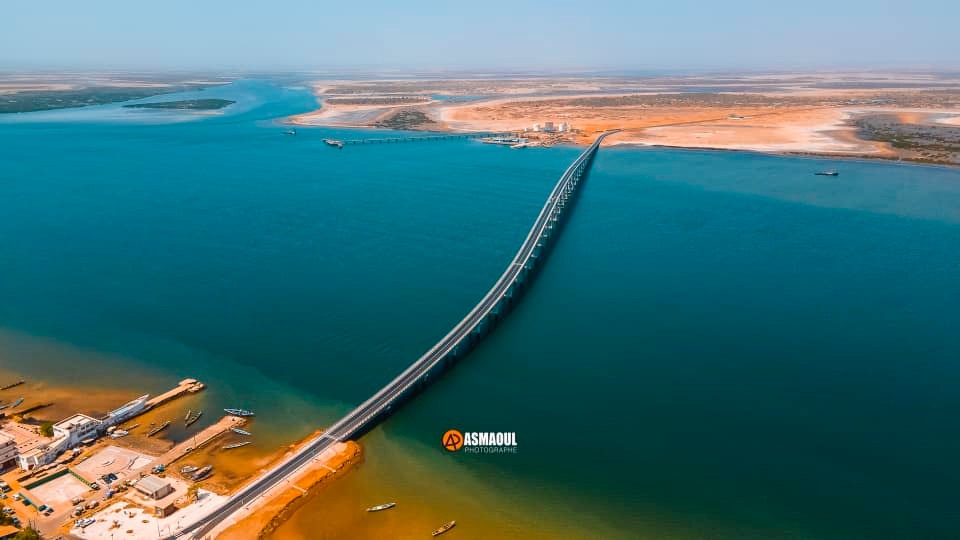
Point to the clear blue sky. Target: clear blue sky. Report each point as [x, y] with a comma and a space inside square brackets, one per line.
[549, 35]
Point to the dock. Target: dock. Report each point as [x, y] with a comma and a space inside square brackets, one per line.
[415, 138]
[208, 434]
[186, 386]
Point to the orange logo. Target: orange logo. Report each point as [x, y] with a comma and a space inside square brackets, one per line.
[452, 440]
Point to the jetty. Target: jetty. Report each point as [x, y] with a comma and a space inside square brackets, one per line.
[186, 386]
[201, 439]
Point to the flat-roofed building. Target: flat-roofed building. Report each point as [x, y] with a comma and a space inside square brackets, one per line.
[8, 451]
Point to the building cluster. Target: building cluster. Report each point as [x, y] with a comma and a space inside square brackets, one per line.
[27, 448]
[550, 127]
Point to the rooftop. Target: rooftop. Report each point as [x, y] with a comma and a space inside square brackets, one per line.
[75, 421]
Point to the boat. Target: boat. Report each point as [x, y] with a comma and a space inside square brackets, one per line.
[290, 132]
[236, 445]
[16, 403]
[239, 412]
[131, 427]
[107, 463]
[827, 173]
[240, 431]
[334, 142]
[380, 507]
[158, 429]
[187, 417]
[188, 469]
[444, 528]
[117, 433]
[201, 473]
[192, 419]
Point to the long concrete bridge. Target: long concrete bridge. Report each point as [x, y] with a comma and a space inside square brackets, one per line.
[456, 342]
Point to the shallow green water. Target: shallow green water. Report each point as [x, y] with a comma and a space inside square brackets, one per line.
[722, 345]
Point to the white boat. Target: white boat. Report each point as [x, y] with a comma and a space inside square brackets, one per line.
[117, 433]
[236, 445]
[189, 469]
[380, 507]
[239, 412]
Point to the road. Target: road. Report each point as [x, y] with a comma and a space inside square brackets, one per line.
[357, 419]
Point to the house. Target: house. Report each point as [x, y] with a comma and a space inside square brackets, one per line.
[8, 451]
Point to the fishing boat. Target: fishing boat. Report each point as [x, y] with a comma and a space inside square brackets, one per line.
[158, 429]
[380, 507]
[290, 132]
[201, 473]
[236, 445]
[192, 419]
[827, 173]
[444, 528]
[187, 417]
[16, 403]
[117, 433]
[334, 142]
[188, 469]
[239, 412]
[240, 431]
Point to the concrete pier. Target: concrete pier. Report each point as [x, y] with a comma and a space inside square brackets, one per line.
[186, 386]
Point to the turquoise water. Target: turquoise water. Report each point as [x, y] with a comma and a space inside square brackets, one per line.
[722, 345]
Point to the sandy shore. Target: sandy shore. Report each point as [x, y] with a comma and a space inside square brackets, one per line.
[264, 517]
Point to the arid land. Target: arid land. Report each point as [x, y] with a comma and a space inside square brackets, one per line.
[909, 116]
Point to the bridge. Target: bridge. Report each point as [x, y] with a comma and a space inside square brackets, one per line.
[425, 138]
[451, 346]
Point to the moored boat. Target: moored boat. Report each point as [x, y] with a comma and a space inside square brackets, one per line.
[380, 507]
[240, 431]
[158, 429]
[192, 419]
[239, 412]
[188, 469]
[189, 413]
[236, 445]
[16, 403]
[446, 527]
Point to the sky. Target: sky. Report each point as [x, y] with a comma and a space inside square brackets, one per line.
[519, 35]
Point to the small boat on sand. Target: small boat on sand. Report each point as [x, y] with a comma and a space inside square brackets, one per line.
[201, 473]
[243, 413]
[117, 433]
[444, 528]
[189, 469]
[380, 507]
[16, 403]
[236, 445]
[240, 431]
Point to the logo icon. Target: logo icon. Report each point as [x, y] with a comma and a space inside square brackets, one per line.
[452, 440]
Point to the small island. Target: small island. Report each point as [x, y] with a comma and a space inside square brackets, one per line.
[186, 104]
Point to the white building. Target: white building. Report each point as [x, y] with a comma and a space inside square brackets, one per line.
[67, 434]
[8, 451]
[77, 428]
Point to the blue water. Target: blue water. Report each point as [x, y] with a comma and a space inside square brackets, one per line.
[722, 345]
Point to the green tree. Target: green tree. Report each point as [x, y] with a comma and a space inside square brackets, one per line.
[46, 429]
[27, 534]
[192, 492]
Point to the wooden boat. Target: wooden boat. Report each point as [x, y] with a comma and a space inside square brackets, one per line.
[187, 417]
[201, 473]
[236, 445]
[444, 528]
[192, 419]
[188, 469]
[380, 507]
[240, 431]
[158, 429]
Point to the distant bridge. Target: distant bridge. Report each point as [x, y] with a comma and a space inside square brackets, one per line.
[456, 343]
[417, 138]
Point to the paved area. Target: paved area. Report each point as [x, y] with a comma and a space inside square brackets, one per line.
[116, 522]
[59, 491]
[112, 459]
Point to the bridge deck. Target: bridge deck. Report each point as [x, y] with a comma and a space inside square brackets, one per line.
[367, 413]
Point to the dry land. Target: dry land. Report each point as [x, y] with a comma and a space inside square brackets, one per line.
[909, 116]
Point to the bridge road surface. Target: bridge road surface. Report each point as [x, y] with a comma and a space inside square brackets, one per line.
[357, 419]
